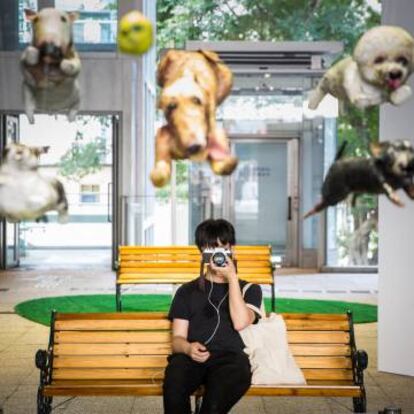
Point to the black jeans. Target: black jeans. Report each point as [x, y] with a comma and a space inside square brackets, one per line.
[225, 375]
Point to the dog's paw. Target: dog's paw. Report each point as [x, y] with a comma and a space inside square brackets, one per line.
[161, 174]
[72, 115]
[63, 217]
[400, 95]
[31, 56]
[315, 98]
[396, 200]
[30, 116]
[69, 67]
[224, 167]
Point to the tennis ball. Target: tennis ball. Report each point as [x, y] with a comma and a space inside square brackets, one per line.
[135, 33]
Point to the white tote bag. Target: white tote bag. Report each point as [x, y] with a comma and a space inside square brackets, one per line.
[271, 360]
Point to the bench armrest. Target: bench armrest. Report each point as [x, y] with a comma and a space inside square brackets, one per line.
[42, 359]
[361, 359]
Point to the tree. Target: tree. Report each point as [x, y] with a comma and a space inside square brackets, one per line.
[86, 157]
[82, 159]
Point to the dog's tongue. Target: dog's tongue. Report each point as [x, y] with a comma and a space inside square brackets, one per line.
[394, 83]
[216, 152]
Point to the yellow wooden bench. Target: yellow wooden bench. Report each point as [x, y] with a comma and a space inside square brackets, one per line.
[124, 354]
[180, 264]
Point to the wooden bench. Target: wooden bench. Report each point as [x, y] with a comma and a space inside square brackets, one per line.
[180, 264]
[124, 354]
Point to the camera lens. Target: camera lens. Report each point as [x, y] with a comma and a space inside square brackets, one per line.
[219, 259]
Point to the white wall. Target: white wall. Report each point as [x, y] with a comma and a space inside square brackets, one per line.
[396, 234]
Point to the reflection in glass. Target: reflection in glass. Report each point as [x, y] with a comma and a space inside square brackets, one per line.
[97, 23]
[355, 240]
[260, 194]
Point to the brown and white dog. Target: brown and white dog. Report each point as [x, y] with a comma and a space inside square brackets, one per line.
[24, 193]
[50, 65]
[193, 85]
[382, 61]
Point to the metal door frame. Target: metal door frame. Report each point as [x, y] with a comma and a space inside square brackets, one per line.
[293, 234]
[4, 140]
[116, 118]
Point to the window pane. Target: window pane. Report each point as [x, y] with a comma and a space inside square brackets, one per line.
[25, 27]
[97, 23]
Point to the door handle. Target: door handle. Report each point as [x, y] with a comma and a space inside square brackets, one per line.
[289, 208]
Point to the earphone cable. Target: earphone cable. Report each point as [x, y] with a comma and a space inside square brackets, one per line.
[217, 309]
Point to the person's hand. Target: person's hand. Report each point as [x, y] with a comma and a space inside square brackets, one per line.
[228, 271]
[198, 352]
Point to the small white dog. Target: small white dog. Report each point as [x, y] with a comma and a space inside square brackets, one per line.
[382, 61]
[50, 65]
[24, 193]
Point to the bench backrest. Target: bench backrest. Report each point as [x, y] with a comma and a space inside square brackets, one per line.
[180, 264]
[133, 347]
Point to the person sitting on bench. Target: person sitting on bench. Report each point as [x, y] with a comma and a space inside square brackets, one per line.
[206, 315]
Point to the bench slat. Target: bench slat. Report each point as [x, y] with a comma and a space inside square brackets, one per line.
[319, 350]
[184, 269]
[112, 324]
[125, 324]
[140, 361]
[164, 349]
[114, 361]
[316, 316]
[327, 374]
[115, 373]
[308, 391]
[103, 337]
[153, 373]
[318, 337]
[112, 349]
[161, 349]
[156, 390]
[180, 279]
[325, 362]
[306, 325]
[111, 316]
[257, 249]
[139, 264]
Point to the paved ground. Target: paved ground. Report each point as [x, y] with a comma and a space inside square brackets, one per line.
[19, 340]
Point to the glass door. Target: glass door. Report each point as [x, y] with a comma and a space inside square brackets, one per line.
[263, 196]
[9, 232]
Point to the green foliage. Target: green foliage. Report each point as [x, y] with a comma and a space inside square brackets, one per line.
[82, 159]
[269, 20]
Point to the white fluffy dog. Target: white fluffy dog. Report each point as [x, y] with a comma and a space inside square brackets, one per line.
[24, 193]
[50, 65]
[382, 61]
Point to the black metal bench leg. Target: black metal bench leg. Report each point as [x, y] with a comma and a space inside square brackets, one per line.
[360, 403]
[42, 361]
[273, 296]
[198, 401]
[44, 404]
[118, 298]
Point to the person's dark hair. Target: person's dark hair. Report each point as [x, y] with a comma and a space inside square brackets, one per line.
[209, 231]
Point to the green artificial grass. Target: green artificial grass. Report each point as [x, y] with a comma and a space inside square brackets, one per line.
[38, 310]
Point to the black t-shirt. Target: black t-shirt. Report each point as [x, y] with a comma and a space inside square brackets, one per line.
[191, 303]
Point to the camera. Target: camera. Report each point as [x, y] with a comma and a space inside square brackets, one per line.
[217, 254]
